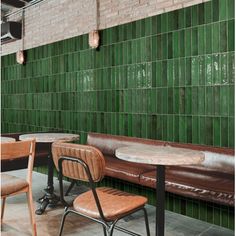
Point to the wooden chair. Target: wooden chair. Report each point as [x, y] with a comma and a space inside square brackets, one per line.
[102, 205]
[11, 185]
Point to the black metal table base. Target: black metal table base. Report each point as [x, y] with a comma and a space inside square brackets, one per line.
[160, 198]
[49, 199]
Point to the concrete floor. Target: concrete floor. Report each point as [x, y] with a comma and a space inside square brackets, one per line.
[16, 220]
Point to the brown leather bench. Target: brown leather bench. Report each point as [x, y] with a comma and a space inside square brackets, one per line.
[41, 156]
[211, 181]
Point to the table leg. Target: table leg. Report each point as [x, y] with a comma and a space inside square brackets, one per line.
[160, 198]
[49, 198]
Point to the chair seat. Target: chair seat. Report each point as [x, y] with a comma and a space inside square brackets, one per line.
[11, 184]
[114, 203]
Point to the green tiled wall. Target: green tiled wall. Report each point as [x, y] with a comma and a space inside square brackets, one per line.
[168, 77]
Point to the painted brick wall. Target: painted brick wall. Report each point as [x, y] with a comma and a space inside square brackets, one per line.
[55, 20]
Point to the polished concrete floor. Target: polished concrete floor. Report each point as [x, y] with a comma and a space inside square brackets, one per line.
[16, 220]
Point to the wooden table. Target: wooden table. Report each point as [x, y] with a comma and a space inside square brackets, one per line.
[160, 156]
[49, 198]
[7, 140]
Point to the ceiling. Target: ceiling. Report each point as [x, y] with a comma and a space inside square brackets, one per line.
[8, 6]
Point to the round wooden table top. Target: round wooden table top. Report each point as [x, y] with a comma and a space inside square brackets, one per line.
[7, 140]
[159, 155]
[49, 137]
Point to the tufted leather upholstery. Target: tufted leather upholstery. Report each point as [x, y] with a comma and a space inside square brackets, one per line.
[11, 184]
[90, 155]
[212, 180]
[114, 203]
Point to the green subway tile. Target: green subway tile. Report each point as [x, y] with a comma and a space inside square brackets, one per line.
[208, 39]
[154, 24]
[170, 45]
[202, 70]
[208, 12]
[181, 43]
[224, 218]
[188, 40]
[164, 24]
[182, 71]
[164, 46]
[215, 5]
[194, 100]
[231, 34]
[170, 100]
[172, 20]
[181, 18]
[223, 36]
[176, 100]
[195, 69]
[170, 75]
[222, 9]
[170, 127]
[188, 103]
[209, 131]
[182, 95]
[175, 46]
[215, 37]
[223, 69]
[231, 100]
[231, 7]
[208, 61]
[231, 132]
[224, 135]
[201, 40]
[224, 100]
[195, 15]
[182, 129]
[201, 100]
[216, 132]
[147, 25]
[201, 15]
[188, 16]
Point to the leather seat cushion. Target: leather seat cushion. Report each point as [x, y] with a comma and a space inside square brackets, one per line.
[11, 184]
[204, 185]
[114, 203]
[125, 170]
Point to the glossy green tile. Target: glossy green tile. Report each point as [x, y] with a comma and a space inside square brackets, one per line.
[215, 37]
[168, 77]
[230, 7]
[223, 9]
[195, 71]
[201, 15]
[188, 40]
[175, 46]
[231, 34]
[224, 135]
[188, 17]
[170, 45]
[231, 132]
[223, 36]
[201, 40]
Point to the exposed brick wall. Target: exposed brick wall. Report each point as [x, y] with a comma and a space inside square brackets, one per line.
[54, 20]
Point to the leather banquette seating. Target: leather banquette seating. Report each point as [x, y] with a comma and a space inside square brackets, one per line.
[211, 181]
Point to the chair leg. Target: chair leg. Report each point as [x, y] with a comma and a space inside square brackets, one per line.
[111, 228]
[104, 230]
[3, 208]
[63, 220]
[146, 221]
[31, 212]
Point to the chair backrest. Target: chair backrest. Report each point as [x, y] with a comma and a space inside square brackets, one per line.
[90, 155]
[14, 150]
